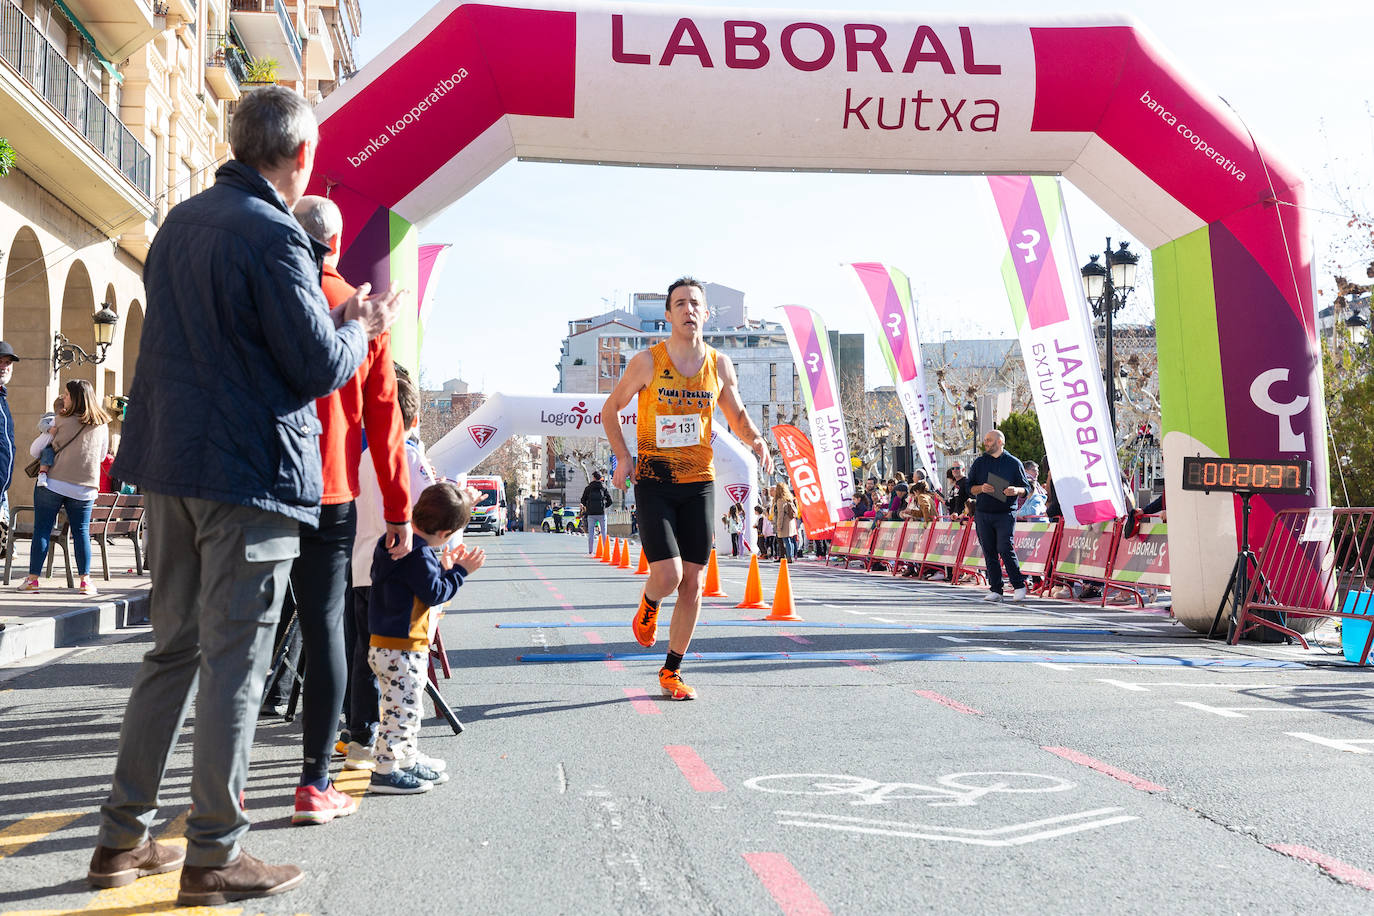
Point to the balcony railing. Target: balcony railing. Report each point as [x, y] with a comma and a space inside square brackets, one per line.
[45, 68]
[221, 52]
[266, 6]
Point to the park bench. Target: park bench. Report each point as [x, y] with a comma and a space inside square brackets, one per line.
[117, 515]
[20, 529]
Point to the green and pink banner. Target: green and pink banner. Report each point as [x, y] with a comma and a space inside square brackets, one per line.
[889, 291]
[1059, 349]
[815, 366]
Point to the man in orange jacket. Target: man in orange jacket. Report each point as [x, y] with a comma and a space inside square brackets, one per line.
[319, 574]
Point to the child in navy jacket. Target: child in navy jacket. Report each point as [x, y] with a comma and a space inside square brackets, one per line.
[404, 595]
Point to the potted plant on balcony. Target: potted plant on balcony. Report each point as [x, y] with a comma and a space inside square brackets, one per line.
[261, 70]
[7, 157]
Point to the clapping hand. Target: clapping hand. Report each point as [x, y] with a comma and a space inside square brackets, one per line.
[469, 558]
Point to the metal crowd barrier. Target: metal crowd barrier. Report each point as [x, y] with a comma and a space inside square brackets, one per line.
[1315, 563]
[1056, 553]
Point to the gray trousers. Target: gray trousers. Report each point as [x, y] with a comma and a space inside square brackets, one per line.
[594, 524]
[219, 574]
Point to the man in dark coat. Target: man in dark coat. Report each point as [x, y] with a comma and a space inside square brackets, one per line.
[221, 437]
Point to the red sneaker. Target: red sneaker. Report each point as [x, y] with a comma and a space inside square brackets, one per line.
[316, 807]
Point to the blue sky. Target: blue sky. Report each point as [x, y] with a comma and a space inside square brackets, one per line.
[537, 245]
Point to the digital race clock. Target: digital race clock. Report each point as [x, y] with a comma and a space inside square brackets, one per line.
[1238, 475]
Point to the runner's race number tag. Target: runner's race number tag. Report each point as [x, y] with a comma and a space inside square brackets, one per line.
[678, 430]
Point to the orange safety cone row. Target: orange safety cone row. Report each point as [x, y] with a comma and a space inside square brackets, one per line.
[615, 553]
[606, 557]
[782, 596]
[601, 548]
[712, 589]
[753, 588]
[624, 555]
[643, 569]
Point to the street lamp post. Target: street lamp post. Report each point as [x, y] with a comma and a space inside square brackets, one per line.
[881, 432]
[971, 418]
[66, 353]
[1107, 286]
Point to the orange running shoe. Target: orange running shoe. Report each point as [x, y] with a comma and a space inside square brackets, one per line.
[645, 623]
[673, 687]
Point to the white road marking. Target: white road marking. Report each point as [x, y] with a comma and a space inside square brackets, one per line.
[952, 639]
[1242, 686]
[1124, 685]
[1214, 710]
[1349, 745]
[970, 836]
[1051, 665]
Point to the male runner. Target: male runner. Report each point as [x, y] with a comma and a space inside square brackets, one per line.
[679, 384]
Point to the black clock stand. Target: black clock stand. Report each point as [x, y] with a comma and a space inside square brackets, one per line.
[1239, 584]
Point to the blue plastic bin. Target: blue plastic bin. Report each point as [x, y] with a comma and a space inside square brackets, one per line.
[1355, 632]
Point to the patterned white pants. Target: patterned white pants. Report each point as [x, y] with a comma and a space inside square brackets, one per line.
[401, 681]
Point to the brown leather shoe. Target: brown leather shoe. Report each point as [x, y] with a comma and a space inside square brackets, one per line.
[242, 879]
[118, 867]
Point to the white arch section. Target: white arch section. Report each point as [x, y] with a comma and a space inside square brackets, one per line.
[504, 415]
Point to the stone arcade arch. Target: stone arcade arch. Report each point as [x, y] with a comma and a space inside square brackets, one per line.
[78, 305]
[27, 328]
[470, 87]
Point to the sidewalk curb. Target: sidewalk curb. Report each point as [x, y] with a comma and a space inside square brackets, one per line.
[20, 640]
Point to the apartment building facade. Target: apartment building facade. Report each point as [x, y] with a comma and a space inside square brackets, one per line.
[117, 110]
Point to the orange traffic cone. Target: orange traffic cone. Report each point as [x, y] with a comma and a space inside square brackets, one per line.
[601, 548]
[643, 569]
[782, 596]
[753, 589]
[712, 589]
[615, 553]
[624, 556]
[606, 555]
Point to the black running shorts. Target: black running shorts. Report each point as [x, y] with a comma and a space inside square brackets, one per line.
[675, 520]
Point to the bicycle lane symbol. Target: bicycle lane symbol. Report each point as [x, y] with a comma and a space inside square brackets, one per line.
[953, 790]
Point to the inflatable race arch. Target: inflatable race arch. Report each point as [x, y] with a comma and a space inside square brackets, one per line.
[504, 415]
[472, 86]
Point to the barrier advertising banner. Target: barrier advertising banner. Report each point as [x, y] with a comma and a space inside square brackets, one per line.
[899, 339]
[800, 460]
[914, 544]
[1058, 346]
[946, 542]
[842, 537]
[1085, 550]
[811, 351]
[1144, 559]
[888, 543]
[1034, 546]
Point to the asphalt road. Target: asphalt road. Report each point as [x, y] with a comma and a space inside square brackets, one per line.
[905, 748]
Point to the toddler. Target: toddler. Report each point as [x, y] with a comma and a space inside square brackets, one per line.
[403, 597]
[48, 455]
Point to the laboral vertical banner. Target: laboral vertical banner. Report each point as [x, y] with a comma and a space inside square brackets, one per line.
[899, 338]
[800, 460]
[811, 352]
[1057, 344]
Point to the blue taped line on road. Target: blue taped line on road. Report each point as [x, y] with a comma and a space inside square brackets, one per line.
[1167, 661]
[802, 625]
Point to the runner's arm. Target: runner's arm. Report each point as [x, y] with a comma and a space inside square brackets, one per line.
[637, 375]
[732, 406]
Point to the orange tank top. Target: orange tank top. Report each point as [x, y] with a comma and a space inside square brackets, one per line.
[674, 421]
